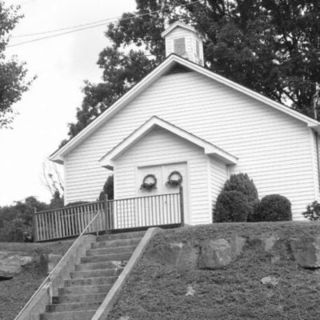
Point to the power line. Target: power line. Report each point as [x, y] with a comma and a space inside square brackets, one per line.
[54, 33]
[63, 29]
[53, 36]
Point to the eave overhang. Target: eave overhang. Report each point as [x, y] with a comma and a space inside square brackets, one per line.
[163, 68]
[209, 149]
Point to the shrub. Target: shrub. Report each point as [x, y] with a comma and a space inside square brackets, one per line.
[313, 211]
[252, 217]
[273, 207]
[14, 230]
[108, 189]
[242, 183]
[231, 206]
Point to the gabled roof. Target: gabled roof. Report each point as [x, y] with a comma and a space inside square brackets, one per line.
[143, 130]
[176, 25]
[164, 67]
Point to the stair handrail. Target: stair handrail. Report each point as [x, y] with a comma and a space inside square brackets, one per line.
[49, 276]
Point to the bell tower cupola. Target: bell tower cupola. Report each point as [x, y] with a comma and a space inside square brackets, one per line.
[184, 40]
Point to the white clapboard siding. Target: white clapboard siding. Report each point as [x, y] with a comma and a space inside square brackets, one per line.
[218, 176]
[159, 148]
[315, 163]
[272, 147]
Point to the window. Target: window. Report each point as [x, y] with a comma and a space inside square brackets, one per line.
[179, 46]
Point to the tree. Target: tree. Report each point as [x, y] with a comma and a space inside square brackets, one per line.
[16, 220]
[52, 179]
[270, 46]
[12, 73]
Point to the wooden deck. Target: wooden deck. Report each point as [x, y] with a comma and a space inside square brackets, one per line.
[165, 210]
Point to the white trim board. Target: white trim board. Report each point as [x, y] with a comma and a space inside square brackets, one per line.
[209, 148]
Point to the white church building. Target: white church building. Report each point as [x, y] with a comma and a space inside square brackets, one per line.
[186, 124]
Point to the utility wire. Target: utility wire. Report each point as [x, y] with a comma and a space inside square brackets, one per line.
[81, 27]
[63, 29]
[53, 36]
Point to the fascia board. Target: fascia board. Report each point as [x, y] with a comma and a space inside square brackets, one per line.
[130, 95]
[248, 92]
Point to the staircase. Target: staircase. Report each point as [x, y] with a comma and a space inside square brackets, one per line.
[93, 277]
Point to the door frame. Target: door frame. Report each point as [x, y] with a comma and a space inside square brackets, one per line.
[186, 187]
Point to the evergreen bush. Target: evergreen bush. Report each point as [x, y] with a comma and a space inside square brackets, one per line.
[242, 183]
[273, 207]
[231, 206]
[108, 189]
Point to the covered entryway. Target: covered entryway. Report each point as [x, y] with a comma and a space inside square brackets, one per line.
[143, 163]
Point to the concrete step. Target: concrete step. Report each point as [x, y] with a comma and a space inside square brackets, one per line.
[107, 257]
[68, 315]
[76, 298]
[90, 281]
[84, 289]
[115, 243]
[95, 273]
[108, 250]
[95, 266]
[122, 235]
[73, 306]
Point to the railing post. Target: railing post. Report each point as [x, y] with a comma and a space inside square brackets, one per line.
[181, 205]
[106, 213]
[34, 225]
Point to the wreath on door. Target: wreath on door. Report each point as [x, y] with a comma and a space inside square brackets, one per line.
[149, 182]
[174, 179]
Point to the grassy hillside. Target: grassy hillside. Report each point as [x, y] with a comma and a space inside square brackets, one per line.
[157, 288]
[14, 293]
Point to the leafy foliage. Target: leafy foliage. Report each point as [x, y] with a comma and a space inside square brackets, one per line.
[12, 73]
[313, 211]
[273, 207]
[14, 230]
[231, 206]
[16, 220]
[270, 46]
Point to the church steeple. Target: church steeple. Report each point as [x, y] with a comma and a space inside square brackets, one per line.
[184, 41]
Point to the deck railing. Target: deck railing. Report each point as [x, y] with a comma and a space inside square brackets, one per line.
[118, 214]
[68, 221]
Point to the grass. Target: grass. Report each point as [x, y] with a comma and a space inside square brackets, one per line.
[157, 289]
[15, 293]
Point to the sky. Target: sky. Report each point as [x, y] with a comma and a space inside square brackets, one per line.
[61, 65]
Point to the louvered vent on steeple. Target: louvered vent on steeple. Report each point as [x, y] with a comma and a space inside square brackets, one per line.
[184, 41]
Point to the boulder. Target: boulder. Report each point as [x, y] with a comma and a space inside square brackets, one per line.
[270, 280]
[306, 251]
[270, 242]
[165, 253]
[277, 248]
[214, 254]
[182, 255]
[237, 244]
[190, 291]
[11, 263]
[188, 257]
